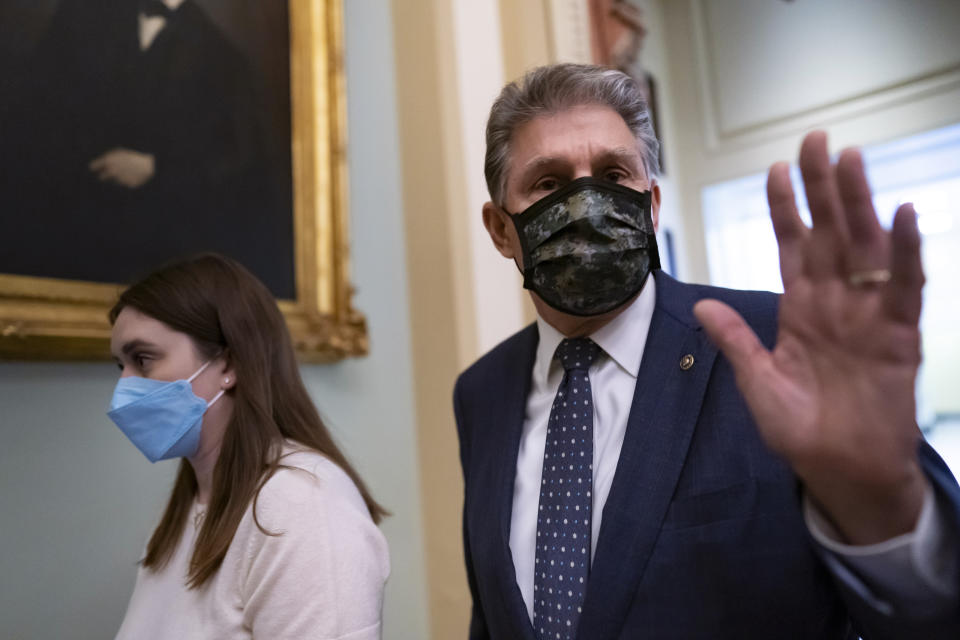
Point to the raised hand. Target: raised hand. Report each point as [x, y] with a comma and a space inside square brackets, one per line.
[835, 397]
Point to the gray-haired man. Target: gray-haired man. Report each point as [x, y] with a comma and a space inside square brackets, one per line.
[625, 479]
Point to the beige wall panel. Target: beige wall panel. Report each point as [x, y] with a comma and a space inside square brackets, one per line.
[526, 39]
[441, 307]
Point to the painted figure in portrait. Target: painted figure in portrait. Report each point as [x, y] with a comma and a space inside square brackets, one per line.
[138, 131]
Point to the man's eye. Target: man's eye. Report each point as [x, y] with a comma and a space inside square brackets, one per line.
[614, 175]
[546, 184]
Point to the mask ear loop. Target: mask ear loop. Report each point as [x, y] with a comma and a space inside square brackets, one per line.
[215, 398]
[197, 373]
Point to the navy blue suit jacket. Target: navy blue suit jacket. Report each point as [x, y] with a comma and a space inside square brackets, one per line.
[702, 534]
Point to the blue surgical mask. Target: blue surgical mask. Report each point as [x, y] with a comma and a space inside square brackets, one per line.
[161, 418]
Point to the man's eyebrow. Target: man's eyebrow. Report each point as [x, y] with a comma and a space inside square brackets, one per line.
[623, 154]
[539, 162]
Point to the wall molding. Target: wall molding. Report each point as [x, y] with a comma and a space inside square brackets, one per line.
[718, 139]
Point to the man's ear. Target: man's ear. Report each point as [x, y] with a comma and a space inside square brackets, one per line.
[655, 203]
[498, 225]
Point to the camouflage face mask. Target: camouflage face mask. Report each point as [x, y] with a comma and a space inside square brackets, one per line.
[588, 247]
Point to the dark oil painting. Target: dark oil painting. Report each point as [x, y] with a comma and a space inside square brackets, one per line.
[133, 132]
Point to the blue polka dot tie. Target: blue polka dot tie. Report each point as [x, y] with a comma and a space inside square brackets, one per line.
[566, 489]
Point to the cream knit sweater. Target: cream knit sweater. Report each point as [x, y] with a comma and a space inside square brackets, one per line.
[322, 578]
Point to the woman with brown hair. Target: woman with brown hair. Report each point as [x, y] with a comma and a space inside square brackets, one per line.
[269, 532]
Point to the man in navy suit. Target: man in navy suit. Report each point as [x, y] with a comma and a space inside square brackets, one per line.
[653, 459]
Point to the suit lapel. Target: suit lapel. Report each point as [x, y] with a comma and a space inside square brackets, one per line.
[666, 404]
[508, 413]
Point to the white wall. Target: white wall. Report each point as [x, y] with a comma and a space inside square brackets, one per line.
[77, 501]
[654, 60]
[747, 79]
[368, 402]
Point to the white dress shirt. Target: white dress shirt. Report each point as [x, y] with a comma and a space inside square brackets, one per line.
[897, 568]
[151, 26]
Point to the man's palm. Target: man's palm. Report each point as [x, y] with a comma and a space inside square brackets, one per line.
[835, 397]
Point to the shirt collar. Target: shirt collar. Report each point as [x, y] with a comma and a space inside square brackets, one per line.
[173, 5]
[623, 338]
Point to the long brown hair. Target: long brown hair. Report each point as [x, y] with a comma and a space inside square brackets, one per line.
[226, 309]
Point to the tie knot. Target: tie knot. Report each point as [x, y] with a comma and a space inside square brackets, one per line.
[577, 353]
[155, 8]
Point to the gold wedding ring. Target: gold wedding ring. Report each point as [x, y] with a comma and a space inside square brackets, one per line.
[868, 277]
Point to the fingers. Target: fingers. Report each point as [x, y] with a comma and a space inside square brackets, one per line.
[790, 230]
[902, 295]
[734, 338]
[102, 167]
[829, 236]
[869, 245]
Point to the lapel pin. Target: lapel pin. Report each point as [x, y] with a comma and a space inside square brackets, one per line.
[686, 362]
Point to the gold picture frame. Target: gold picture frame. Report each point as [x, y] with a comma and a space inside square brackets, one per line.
[53, 319]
